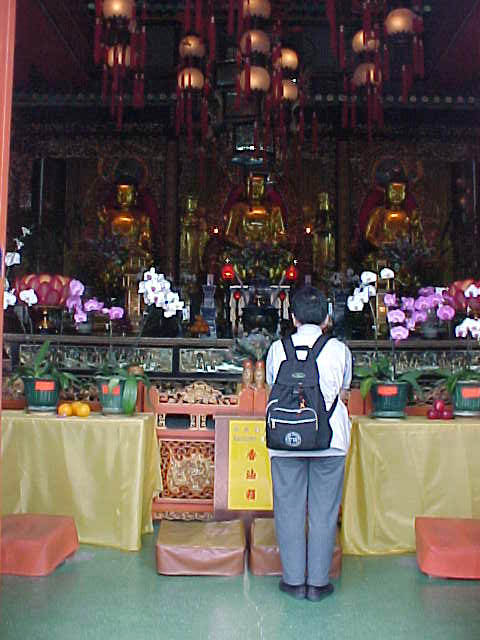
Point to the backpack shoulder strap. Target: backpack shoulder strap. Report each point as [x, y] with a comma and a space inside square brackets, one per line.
[318, 345]
[289, 348]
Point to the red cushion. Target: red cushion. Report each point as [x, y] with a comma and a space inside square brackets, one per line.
[448, 547]
[35, 544]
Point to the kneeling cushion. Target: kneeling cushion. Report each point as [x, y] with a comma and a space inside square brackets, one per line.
[200, 548]
[34, 544]
[448, 547]
[264, 557]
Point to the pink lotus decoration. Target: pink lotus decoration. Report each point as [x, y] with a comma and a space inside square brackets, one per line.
[51, 290]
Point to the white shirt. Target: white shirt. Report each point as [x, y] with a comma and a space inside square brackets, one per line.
[335, 374]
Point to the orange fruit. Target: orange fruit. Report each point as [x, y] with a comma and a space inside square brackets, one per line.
[75, 406]
[65, 409]
[83, 410]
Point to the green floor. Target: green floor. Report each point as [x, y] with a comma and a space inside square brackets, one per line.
[107, 594]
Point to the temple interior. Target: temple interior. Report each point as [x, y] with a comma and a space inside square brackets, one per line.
[173, 172]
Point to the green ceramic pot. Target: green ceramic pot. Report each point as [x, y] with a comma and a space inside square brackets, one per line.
[41, 394]
[110, 397]
[389, 399]
[466, 398]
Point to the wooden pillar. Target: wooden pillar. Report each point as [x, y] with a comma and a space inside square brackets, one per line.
[171, 232]
[7, 44]
[344, 226]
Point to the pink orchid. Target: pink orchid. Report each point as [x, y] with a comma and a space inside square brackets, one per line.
[399, 333]
[93, 305]
[76, 288]
[423, 303]
[408, 304]
[396, 315]
[390, 300]
[74, 303]
[426, 291]
[80, 316]
[116, 313]
[445, 312]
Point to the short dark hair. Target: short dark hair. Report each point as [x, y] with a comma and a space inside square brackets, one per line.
[309, 306]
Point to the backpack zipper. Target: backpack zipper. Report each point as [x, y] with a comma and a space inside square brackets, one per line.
[273, 421]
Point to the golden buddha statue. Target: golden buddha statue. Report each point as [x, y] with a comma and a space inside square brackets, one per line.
[193, 237]
[392, 222]
[128, 224]
[130, 227]
[252, 222]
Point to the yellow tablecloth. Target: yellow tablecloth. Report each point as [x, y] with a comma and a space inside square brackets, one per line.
[399, 469]
[102, 470]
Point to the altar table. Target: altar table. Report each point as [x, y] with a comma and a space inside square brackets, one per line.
[399, 469]
[102, 470]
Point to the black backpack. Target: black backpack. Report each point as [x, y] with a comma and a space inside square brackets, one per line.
[297, 419]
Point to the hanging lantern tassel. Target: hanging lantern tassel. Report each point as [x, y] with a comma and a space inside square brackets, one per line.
[204, 119]
[230, 18]
[212, 43]
[247, 88]
[189, 123]
[301, 128]
[187, 18]
[267, 132]
[143, 39]
[353, 108]
[201, 162]
[367, 19]
[331, 16]
[119, 112]
[134, 45]
[341, 47]
[421, 58]
[238, 94]
[256, 142]
[386, 63]
[141, 91]
[404, 84]
[97, 52]
[104, 83]
[239, 19]
[314, 133]
[345, 103]
[380, 119]
[369, 111]
[415, 55]
[198, 18]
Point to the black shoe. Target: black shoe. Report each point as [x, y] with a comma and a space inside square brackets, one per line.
[295, 590]
[315, 594]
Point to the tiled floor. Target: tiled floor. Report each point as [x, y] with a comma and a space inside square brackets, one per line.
[107, 594]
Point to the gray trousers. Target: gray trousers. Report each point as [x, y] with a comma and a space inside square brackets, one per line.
[304, 486]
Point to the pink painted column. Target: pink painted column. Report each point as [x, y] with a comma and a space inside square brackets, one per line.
[7, 43]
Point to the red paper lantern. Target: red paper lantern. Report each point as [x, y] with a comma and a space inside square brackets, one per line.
[282, 295]
[291, 274]
[228, 272]
[237, 295]
[51, 290]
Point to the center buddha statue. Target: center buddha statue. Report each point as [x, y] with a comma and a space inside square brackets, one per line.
[254, 221]
[392, 222]
[129, 225]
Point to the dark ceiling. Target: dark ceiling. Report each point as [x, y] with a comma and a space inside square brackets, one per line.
[54, 43]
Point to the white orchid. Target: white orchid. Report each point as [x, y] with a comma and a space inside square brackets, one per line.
[9, 299]
[469, 325]
[354, 303]
[387, 274]
[472, 291]
[156, 290]
[26, 231]
[368, 277]
[11, 258]
[28, 296]
[18, 243]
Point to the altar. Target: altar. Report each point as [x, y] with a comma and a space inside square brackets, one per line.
[399, 469]
[101, 470]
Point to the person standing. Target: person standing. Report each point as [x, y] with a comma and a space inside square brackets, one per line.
[309, 484]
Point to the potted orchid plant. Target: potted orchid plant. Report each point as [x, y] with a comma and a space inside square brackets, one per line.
[117, 385]
[463, 384]
[158, 297]
[389, 388]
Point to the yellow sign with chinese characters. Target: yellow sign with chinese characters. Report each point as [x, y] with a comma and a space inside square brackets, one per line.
[249, 477]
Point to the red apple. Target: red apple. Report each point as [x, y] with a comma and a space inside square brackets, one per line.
[439, 405]
[447, 414]
[432, 414]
